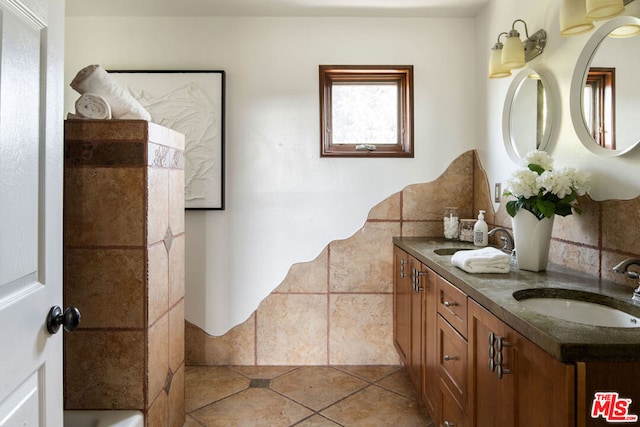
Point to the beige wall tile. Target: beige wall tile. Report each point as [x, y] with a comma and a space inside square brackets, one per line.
[114, 130]
[104, 370]
[104, 207]
[364, 262]
[307, 277]
[166, 136]
[176, 336]
[581, 228]
[423, 228]
[578, 257]
[158, 357]
[361, 330]
[291, 329]
[611, 259]
[176, 269]
[453, 188]
[482, 192]
[176, 201]
[108, 285]
[176, 399]
[388, 209]
[619, 229]
[158, 412]
[158, 282]
[158, 206]
[236, 347]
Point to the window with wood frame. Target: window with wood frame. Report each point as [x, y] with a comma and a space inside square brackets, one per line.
[599, 105]
[366, 111]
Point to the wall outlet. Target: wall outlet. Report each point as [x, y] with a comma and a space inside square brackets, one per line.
[498, 192]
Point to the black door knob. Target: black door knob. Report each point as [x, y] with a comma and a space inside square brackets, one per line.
[70, 319]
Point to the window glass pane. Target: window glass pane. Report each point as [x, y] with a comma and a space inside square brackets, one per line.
[364, 113]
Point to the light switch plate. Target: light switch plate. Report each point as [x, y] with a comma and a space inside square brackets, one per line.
[498, 192]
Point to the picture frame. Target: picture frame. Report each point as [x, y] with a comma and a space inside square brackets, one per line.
[191, 102]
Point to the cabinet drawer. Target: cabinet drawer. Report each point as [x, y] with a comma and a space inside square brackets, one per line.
[452, 305]
[451, 414]
[452, 359]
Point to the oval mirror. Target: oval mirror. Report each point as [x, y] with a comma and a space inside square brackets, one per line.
[527, 117]
[604, 91]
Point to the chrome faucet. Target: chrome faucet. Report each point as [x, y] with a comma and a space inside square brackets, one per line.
[623, 268]
[507, 239]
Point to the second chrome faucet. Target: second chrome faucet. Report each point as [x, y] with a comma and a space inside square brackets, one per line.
[506, 238]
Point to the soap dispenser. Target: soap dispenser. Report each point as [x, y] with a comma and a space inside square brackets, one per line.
[481, 231]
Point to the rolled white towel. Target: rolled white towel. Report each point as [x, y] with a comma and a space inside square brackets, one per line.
[485, 260]
[92, 106]
[94, 79]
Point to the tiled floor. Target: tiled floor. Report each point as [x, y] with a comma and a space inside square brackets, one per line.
[307, 396]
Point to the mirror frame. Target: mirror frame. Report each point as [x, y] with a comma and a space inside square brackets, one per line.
[507, 135]
[579, 78]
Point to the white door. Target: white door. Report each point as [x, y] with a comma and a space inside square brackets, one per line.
[31, 153]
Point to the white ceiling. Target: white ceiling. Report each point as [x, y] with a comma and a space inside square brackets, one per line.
[350, 8]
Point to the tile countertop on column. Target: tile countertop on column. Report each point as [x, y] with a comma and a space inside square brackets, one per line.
[564, 340]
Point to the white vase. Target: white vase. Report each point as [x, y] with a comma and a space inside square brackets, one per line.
[532, 240]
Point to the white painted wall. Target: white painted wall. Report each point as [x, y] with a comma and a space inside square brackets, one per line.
[284, 202]
[613, 178]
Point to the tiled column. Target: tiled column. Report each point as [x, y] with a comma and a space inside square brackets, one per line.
[124, 268]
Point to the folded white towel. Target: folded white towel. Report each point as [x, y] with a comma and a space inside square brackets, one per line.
[485, 260]
[94, 79]
[92, 106]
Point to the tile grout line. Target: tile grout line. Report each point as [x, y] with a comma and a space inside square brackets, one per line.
[368, 383]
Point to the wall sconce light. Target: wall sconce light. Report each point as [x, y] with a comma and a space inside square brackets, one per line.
[496, 70]
[577, 16]
[515, 53]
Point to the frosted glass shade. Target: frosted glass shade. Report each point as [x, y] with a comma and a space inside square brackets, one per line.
[513, 53]
[573, 18]
[604, 9]
[625, 31]
[496, 70]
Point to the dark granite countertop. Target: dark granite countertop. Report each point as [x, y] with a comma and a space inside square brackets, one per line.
[564, 340]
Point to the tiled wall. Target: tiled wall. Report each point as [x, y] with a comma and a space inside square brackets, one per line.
[596, 240]
[124, 268]
[337, 309]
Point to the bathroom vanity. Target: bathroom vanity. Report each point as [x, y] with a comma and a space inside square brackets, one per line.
[479, 357]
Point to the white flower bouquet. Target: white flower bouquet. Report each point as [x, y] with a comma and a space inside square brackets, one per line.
[544, 191]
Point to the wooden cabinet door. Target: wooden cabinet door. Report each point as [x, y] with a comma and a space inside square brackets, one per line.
[417, 324]
[545, 387]
[490, 397]
[430, 388]
[535, 389]
[402, 293]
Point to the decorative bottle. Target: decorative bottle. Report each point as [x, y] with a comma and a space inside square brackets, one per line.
[481, 231]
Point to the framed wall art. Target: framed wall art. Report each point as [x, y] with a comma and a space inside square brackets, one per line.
[190, 102]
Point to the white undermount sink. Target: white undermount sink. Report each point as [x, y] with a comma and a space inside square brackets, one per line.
[573, 310]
